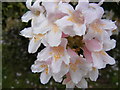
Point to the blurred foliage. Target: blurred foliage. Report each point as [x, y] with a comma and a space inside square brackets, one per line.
[16, 61]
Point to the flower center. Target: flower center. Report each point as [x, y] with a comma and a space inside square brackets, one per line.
[37, 13]
[76, 17]
[55, 28]
[73, 66]
[38, 37]
[58, 52]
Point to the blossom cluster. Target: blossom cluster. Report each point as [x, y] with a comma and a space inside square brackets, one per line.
[52, 24]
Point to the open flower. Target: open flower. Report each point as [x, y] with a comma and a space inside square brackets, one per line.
[101, 58]
[35, 13]
[58, 54]
[78, 67]
[70, 84]
[35, 39]
[94, 53]
[54, 32]
[46, 71]
[98, 28]
[80, 17]
[93, 74]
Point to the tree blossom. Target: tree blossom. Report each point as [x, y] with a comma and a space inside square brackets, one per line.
[35, 39]
[35, 13]
[54, 23]
[97, 55]
[70, 84]
[58, 54]
[99, 28]
[45, 68]
[78, 67]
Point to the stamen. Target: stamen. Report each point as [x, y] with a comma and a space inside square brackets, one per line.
[58, 52]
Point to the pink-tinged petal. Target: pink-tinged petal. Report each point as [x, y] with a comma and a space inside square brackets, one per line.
[108, 24]
[76, 76]
[99, 10]
[27, 16]
[82, 5]
[107, 59]
[66, 58]
[64, 42]
[45, 77]
[67, 79]
[63, 71]
[36, 5]
[40, 24]
[54, 38]
[72, 53]
[70, 85]
[97, 60]
[44, 41]
[37, 67]
[27, 32]
[64, 35]
[87, 55]
[63, 22]
[56, 63]
[50, 7]
[44, 54]
[94, 10]
[109, 44]
[69, 31]
[93, 45]
[93, 74]
[34, 45]
[28, 4]
[89, 35]
[58, 79]
[82, 84]
[79, 29]
[66, 8]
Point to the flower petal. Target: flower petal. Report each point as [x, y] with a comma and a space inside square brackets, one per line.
[82, 5]
[108, 24]
[66, 58]
[44, 78]
[44, 54]
[93, 45]
[66, 8]
[82, 84]
[63, 22]
[58, 76]
[56, 63]
[36, 67]
[79, 29]
[70, 85]
[108, 59]
[41, 27]
[76, 76]
[93, 74]
[69, 30]
[50, 7]
[94, 10]
[54, 38]
[27, 32]
[34, 45]
[109, 44]
[28, 4]
[27, 16]
[97, 60]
